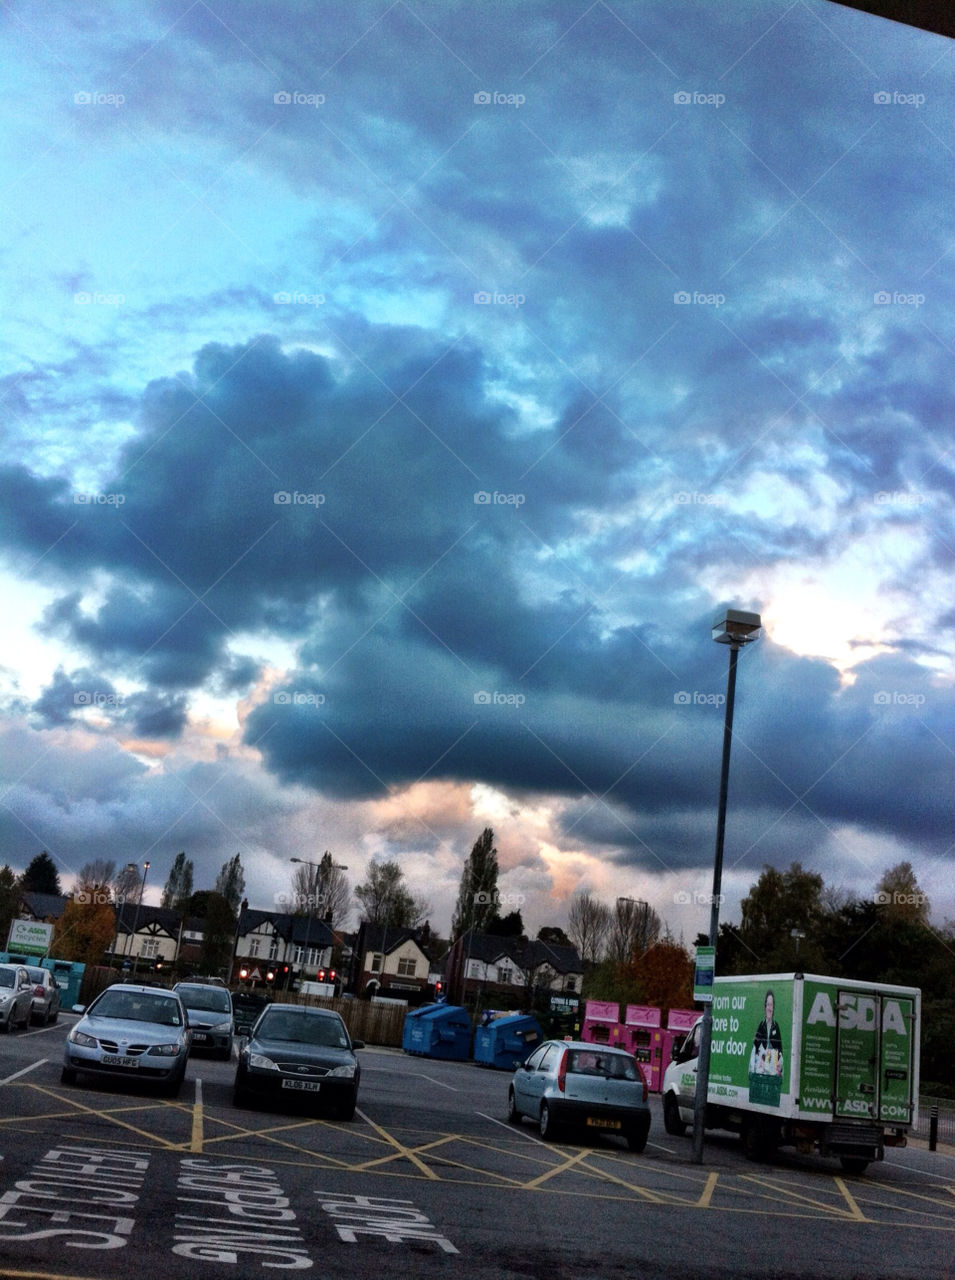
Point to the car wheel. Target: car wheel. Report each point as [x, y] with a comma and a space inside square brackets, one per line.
[68, 1075]
[637, 1138]
[513, 1115]
[547, 1126]
[671, 1116]
[854, 1164]
[54, 1015]
[347, 1109]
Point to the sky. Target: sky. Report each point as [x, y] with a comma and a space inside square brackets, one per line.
[393, 394]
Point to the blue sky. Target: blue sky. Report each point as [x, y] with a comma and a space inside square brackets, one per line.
[393, 394]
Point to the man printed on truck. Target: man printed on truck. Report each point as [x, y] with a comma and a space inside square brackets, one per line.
[768, 1041]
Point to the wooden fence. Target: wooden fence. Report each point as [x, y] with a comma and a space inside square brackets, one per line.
[380, 1024]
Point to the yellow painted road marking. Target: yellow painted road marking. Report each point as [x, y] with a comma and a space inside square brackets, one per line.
[552, 1172]
[706, 1195]
[400, 1148]
[111, 1117]
[855, 1212]
[775, 1192]
[196, 1143]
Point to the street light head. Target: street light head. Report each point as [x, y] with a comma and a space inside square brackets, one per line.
[735, 627]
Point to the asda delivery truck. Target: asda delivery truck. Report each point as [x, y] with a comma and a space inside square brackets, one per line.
[821, 1064]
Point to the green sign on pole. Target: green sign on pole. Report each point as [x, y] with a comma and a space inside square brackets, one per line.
[703, 971]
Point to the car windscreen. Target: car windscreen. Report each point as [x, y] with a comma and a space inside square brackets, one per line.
[7, 978]
[612, 1066]
[280, 1025]
[212, 999]
[138, 1007]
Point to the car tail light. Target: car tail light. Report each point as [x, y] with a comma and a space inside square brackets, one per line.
[39, 989]
[562, 1072]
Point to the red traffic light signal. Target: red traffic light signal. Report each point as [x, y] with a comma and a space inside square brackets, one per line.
[243, 974]
[270, 976]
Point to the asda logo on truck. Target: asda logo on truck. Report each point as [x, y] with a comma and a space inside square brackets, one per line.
[856, 1013]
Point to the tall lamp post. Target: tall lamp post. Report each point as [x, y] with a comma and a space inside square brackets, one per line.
[735, 629]
[332, 866]
[139, 902]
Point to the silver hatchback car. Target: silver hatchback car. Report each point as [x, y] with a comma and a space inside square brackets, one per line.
[601, 1089]
[16, 996]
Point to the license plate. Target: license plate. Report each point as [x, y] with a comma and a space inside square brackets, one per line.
[598, 1122]
[199, 1036]
[309, 1085]
[119, 1060]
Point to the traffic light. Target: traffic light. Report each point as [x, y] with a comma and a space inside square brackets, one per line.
[320, 976]
[437, 988]
[243, 973]
[270, 976]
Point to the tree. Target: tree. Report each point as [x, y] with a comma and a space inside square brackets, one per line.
[321, 890]
[96, 876]
[218, 934]
[477, 904]
[9, 900]
[128, 885]
[230, 882]
[178, 889]
[84, 930]
[386, 900]
[899, 895]
[782, 919]
[41, 876]
[634, 925]
[509, 926]
[587, 925]
[663, 975]
[554, 935]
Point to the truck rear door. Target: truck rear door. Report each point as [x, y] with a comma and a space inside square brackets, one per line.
[874, 1056]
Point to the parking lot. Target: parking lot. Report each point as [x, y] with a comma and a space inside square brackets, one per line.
[429, 1164]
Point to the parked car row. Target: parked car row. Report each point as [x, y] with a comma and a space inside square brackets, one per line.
[304, 1053]
[28, 993]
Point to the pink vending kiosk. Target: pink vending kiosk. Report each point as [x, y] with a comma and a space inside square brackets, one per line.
[679, 1022]
[640, 1024]
[601, 1022]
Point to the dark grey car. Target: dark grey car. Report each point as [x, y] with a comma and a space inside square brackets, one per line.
[571, 1082]
[209, 1011]
[299, 1053]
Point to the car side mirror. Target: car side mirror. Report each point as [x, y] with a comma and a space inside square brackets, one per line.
[79, 1008]
[358, 1044]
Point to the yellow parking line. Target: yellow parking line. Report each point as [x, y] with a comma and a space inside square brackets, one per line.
[855, 1212]
[400, 1149]
[706, 1195]
[555, 1169]
[775, 1192]
[110, 1117]
[196, 1143]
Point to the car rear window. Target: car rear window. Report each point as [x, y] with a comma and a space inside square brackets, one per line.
[612, 1066]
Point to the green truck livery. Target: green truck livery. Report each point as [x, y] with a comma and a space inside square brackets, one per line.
[825, 1064]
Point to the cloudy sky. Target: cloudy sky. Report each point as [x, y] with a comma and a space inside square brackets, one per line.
[394, 393]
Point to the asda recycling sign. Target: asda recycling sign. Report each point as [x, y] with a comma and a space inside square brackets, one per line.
[703, 971]
[30, 937]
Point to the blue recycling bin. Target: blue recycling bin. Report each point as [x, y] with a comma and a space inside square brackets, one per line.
[504, 1043]
[412, 1033]
[68, 976]
[440, 1031]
